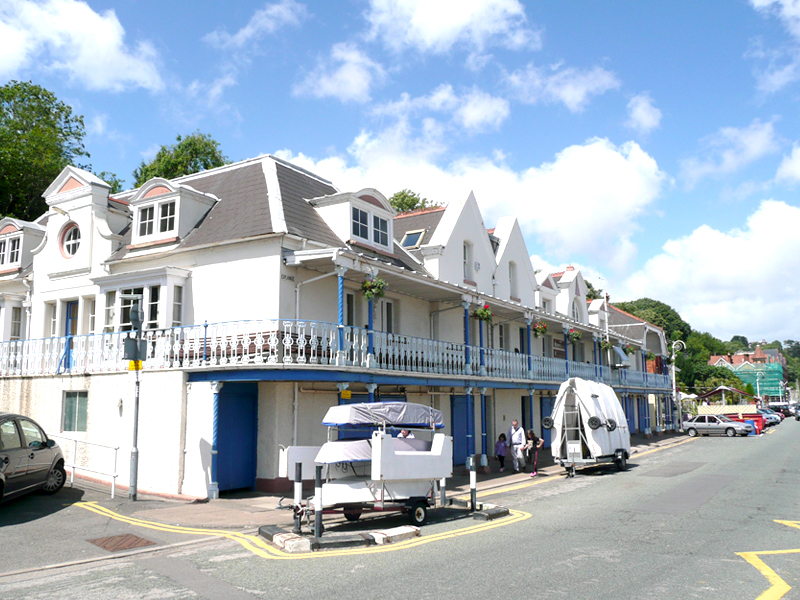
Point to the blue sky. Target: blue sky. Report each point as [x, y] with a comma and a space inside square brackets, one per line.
[653, 144]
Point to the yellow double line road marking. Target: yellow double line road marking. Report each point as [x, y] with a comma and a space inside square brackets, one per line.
[262, 548]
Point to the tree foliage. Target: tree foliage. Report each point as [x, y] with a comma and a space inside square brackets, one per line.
[39, 136]
[592, 293]
[117, 184]
[659, 314]
[191, 154]
[406, 201]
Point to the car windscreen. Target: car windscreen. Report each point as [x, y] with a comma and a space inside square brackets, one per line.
[724, 418]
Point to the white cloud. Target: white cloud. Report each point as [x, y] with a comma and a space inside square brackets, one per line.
[438, 27]
[474, 110]
[738, 282]
[265, 21]
[729, 150]
[347, 75]
[643, 116]
[587, 200]
[783, 64]
[789, 169]
[571, 87]
[788, 11]
[68, 36]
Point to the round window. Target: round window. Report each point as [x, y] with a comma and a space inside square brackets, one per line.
[72, 240]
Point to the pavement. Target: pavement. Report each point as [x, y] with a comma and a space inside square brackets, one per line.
[249, 510]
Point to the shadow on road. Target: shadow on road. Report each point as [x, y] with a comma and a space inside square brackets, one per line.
[36, 506]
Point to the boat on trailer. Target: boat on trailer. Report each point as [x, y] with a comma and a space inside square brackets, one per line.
[380, 471]
[589, 426]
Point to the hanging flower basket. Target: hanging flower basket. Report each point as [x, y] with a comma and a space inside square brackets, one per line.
[574, 336]
[628, 349]
[650, 356]
[373, 288]
[605, 345]
[539, 328]
[484, 313]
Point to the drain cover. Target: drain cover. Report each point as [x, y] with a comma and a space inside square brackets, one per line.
[117, 543]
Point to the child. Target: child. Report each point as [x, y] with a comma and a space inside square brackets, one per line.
[533, 443]
[500, 451]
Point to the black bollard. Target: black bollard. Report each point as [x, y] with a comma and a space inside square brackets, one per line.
[318, 502]
[298, 495]
[473, 482]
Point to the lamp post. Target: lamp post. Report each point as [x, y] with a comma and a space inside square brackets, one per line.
[759, 375]
[677, 346]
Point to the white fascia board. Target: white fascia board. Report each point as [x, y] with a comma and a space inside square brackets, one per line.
[140, 276]
[274, 196]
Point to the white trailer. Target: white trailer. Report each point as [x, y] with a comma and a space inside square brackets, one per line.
[380, 472]
[589, 426]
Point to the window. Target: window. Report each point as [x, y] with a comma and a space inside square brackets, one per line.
[111, 300]
[350, 310]
[16, 322]
[467, 261]
[72, 240]
[13, 247]
[74, 410]
[146, 220]
[512, 279]
[34, 437]
[501, 330]
[177, 306]
[387, 315]
[576, 312]
[167, 217]
[546, 306]
[412, 239]
[92, 309]
[152, 307]
[52, 317]
[2, 252]
[125, 308]
[380, 231]
[9, 436]
[360, 223]
[523, 340]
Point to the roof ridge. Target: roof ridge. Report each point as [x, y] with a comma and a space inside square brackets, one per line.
[420, 211]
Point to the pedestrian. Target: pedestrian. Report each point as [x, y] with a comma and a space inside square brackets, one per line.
[516, 443]
[532, 445]
[500, 451]
[405, 433]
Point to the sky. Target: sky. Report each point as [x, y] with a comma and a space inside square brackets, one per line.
[653, 145]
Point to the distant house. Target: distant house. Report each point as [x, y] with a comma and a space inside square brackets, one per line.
[765, 370]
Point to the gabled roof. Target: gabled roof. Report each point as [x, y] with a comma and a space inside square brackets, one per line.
[425, 218]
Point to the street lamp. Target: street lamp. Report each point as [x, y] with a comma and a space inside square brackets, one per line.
[677, 346]
[759, 376]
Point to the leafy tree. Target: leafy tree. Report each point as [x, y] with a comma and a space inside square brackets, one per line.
[750, 389]
[39, 136]
[191, 154]
[406, 201]
[117, 184]
[740, 339]
[659, 314]
[592, 293]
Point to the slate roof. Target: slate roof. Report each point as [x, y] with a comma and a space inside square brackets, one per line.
[301, 218]
[426, 218]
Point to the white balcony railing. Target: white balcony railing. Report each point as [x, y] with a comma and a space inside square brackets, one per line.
[302, 343]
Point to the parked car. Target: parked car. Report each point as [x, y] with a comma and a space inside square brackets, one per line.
[777, 414]
[29, 460]
[710, 424]
[781, 408]
[770, 418]
[797, 413]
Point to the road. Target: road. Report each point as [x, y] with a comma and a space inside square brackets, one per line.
[697, 520]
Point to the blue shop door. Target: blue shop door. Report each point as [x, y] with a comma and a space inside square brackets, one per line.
[70, 329]
[354, 434]
[236, 435]
[630, 413]
[461, 449]
[547, 403]
[643, 416]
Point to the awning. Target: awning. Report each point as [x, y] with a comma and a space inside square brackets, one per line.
[622, 358]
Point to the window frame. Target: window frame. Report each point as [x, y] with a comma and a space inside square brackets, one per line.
[356, 224]
[16, 324]
[78, 413]
[419, 232]
[148, 224]
[378, 233]
[15, 248]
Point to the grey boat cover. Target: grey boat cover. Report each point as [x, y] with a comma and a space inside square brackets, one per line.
[361, 450]
[397, 414]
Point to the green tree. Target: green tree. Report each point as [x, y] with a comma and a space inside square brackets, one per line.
[406, 201]
[191, 154]
[750, 389]
[117, 184]
[592, 293]
[659, 314]
[39, 136]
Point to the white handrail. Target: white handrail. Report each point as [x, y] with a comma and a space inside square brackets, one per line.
[73, 466]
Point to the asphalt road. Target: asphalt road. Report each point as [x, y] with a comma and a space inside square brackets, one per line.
[678, 524]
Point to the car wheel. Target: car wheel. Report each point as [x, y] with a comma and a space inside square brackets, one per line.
[55, 479]
[691, 432]
[730, 432]
[418, 513]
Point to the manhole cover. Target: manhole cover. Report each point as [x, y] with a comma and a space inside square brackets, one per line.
[117, 543]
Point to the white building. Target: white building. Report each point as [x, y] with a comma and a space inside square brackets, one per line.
[255, 321]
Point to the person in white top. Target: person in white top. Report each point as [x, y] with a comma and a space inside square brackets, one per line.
[405, 433]
[516, 444]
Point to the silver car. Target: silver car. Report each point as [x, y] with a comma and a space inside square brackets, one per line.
[711, 424]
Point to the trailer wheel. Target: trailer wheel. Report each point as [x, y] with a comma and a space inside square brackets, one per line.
[621, 462]
[611, 424]
[548, 423]
[418, 513]
[352, 515]
[594, 422]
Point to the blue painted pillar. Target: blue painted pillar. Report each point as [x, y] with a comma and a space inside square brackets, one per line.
[370, 327]
[566, 350]
[530, 350]
[483, 352]
[470, 421]
[468, 365]
[483, 422]
[530, 405]
[371, 391]
[213, 486]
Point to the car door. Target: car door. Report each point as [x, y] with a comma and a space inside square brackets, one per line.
[40, 457]
[714, 424]
[701, 425]
[13, 457]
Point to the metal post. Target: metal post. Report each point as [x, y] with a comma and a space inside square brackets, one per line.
[473, 484]
[318, 502]
[205, 342]
[135, 450]
[370, 327]
[530, 350]
[298, 495]
[470, 421]
[468, 366]
[483, 425]
[483, 357]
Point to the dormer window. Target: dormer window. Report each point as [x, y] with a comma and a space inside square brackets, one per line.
[166, 220]
[360, 227]
[360, 223]
[412, 239]
[146, 220]
[380, 231]
[157, 218]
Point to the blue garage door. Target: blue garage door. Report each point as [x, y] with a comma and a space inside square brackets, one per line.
[547, 403]
[460, 419]
[630, 412]
[236, 436]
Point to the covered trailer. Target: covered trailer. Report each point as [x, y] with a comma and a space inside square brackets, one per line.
[589, 426]
[380, 472]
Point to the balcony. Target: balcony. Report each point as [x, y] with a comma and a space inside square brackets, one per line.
[280, 343]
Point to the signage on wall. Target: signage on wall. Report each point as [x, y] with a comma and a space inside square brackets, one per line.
[346, 394]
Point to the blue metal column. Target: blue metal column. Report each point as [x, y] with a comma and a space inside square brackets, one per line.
[470, 421]
[340, 355]
[370, 327]
[213, 486]
[468, 365]
[530, 350]
[483, 423]
[371, 391]
[566, 350]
